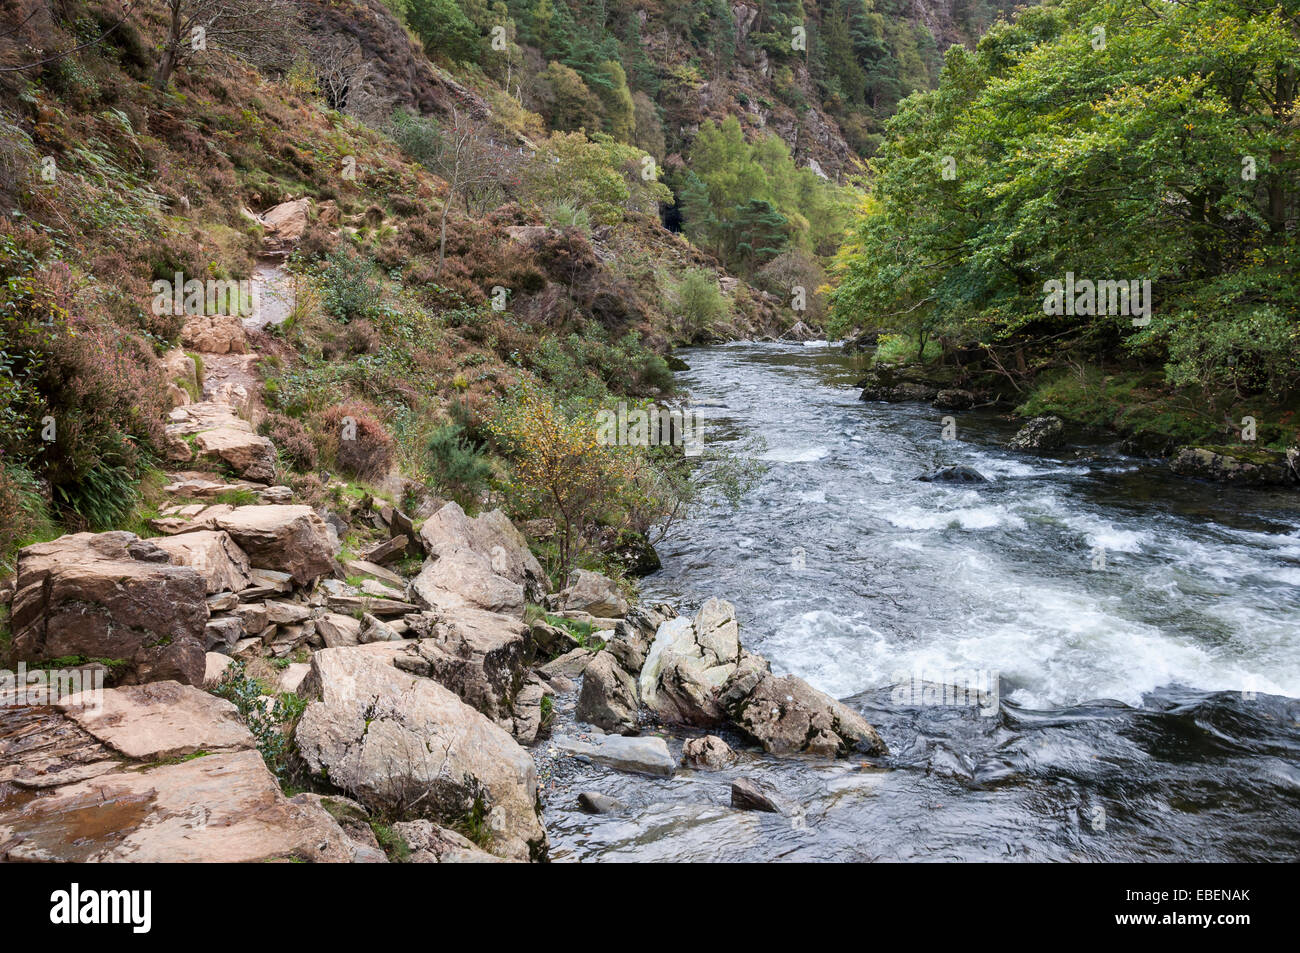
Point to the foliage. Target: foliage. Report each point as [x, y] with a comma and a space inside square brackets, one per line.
[698, 304]
[1167, 153]
[455, 468]
[271, 725]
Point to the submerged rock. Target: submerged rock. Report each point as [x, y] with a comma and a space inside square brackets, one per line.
[753, 794]
[591, 802]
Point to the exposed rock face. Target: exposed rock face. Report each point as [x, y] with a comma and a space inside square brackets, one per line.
[213, 554]
[609, 696]
[98, 806]
[1236, 465]
[481, 656]
[709, 752]
[593, 593]
[405, 745]
[112, 596]
[1041, 433]
[788, 716]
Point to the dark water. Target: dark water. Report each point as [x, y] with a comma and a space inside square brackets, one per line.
[1130, 642]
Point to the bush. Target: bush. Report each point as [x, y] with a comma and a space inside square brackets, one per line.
[699, 304]
[455, 467]
[357, 442]
[24, 515]
[347, 289]
[291, 439]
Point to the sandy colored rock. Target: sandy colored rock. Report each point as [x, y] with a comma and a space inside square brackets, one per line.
[213, 555]
[405, 745]
[111, 596]
[160, 720]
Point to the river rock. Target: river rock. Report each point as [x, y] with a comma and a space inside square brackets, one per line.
[608, 698]
[481, 656]
[954, 475]
[111, 596]
[645, 755]
[592, 802]
[687, 664]
[594, 593]
[407, 747]
[955, 398]
[788, 716]
[709, 752]
[753, 794]
[1040, 433]
[1240, 466]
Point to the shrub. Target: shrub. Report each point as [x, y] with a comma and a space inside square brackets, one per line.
[357, 442]
[347, 288]
[271, 726]
[455, 467]
[291, 439]
[699, 304]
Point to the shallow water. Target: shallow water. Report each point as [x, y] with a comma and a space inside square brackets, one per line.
[1134, 640]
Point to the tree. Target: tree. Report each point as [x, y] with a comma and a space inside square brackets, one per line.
[460, 152]
[241, 24]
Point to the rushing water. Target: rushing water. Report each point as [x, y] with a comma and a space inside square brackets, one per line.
[1138, 636]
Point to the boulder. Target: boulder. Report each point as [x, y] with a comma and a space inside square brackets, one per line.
[709, 752]
[788, 716]
[406, 746]
[643, 755]
[250, 455]
[463, 579]
[372, 630]
[111, 596]
[222, 633]
[609, 696]
[594, 593]
[1240, 466]
[688, 663]
[490, 536]
[954, 475]
[569, 665]
[211, 553]
[288, 539]
[215, 334]
[592, 802]
[1040, 433]
[214, 670]
[285, 224]
[955, 399]
[481, 656]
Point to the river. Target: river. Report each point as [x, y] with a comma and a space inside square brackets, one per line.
[1130, 640]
